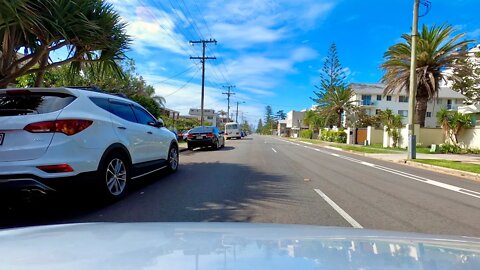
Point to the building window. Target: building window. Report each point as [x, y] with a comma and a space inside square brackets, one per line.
[403, 113]
[403, 99]
[429, 114]
[378, 111]
[379, 97]
[209, 117]
[389, 98]
[366, 100]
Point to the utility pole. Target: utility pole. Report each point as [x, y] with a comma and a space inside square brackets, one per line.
[202, 59]
[228, 93]
[236, 115]
[413, 85]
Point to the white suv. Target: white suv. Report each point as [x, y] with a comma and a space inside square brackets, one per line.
[52, 139]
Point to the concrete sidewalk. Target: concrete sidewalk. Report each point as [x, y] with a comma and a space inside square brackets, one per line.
[474, 159]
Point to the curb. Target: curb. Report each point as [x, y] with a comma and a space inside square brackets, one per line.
[468, 175]
[182, 149]
[428, 167]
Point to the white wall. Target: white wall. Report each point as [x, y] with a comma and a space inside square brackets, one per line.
[395, 106]
[470, 137]
[295, 119]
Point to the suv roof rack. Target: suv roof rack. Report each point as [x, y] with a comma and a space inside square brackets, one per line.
[99, 90]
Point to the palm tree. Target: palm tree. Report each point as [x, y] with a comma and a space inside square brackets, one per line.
[392, 122]
[90, 31]
[313, 120]
[452, 123]
[336, 101]
[437, 50]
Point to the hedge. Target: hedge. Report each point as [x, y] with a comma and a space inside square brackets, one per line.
[306, 134]
[333, 136]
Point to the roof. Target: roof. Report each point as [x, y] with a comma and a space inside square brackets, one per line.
[378, 88]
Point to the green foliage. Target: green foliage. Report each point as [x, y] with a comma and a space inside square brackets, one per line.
[339, 136]
[280, 115]
[452, 123]
[362, 119]
[185, 123]
[306, 134]
[466, 78]
[314, 120]
[332, 95]
[259, 126]
[438, 48]
[90, 30]
[448, 148]
[392, 122]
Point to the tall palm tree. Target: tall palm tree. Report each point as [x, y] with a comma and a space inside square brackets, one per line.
[90, 31]
[336, 101]
[437, 49]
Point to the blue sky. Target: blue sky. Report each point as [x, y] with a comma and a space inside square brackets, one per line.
[272, 50]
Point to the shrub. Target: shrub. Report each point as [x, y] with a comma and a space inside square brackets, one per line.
[450, 148]
[306, 134]
[341, 137]
[333, 136]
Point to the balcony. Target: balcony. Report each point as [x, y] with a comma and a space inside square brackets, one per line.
[453, 107]
[367, 103]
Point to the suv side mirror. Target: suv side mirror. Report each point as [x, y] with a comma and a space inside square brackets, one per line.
[157, 124]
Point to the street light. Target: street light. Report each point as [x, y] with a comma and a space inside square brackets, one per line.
[413, 84]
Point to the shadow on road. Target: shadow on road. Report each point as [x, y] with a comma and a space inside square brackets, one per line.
[197, 192]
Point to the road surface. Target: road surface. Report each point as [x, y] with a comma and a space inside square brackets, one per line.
[269, 180]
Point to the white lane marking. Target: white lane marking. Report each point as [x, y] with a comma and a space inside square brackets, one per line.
[274, 150]
[339, 210]
[421, 179]
[368, 164]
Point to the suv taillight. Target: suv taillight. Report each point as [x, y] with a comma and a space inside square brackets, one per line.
[67, 126]
[190, 136]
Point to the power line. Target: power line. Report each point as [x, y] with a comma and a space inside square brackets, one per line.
[183, 86]
[174, 76]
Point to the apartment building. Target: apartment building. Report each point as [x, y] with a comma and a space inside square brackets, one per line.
[209, 116]
[371, 98]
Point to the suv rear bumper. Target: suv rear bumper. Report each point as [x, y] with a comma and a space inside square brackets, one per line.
[13, 184]
[200, 143]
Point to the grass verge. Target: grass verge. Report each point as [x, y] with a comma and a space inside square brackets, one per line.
[457, 165]
[366, 149]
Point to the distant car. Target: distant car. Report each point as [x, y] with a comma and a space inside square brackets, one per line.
[181, 135]
[205, 137]
[56, 138]
[232, 131]
[242, 133]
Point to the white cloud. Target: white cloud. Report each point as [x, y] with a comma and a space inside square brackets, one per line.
[303, 54]
[240, 36]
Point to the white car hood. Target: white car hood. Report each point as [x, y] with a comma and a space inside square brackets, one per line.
[229, 246]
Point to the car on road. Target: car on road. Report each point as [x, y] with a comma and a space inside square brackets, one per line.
[205, 136]
[232, 130]
[65, 138]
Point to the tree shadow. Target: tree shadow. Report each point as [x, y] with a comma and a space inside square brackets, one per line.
[196, 192]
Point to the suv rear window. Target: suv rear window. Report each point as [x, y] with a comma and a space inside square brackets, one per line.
[201, 130]
[25, 103]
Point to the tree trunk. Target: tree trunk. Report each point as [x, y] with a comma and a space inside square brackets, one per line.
[421, 110]
[41, 72]
[339, 119]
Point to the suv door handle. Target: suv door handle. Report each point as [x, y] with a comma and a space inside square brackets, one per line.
[149, 132]
[122, 128]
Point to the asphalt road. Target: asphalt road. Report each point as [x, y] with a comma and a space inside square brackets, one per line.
[268, 180]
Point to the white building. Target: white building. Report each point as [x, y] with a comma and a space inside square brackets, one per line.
[209, 116]
[294, 123]
[370, 97]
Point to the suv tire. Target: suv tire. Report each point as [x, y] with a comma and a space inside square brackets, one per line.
[173, 158]
[114, 176]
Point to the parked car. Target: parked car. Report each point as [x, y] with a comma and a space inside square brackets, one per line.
[53, 139]
[205, 137]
